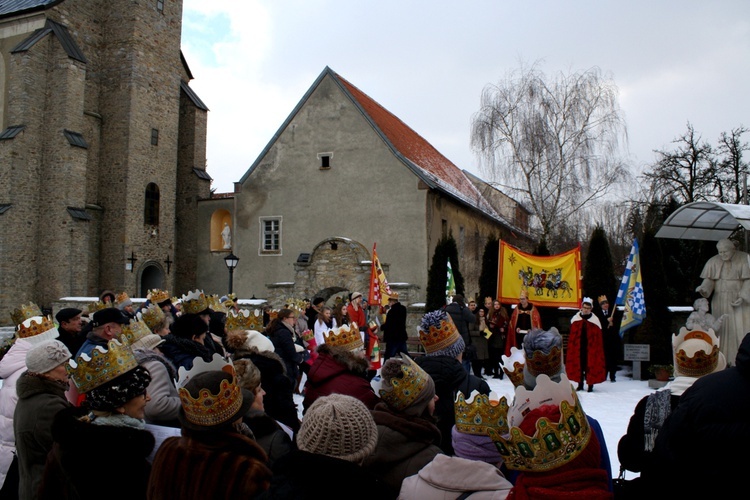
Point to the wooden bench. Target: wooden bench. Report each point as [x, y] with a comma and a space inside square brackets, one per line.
[415, 348]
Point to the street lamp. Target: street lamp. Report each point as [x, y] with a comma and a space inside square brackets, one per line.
[231, 261]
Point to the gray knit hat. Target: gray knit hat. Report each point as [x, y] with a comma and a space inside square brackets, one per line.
[338, 426]
[544, 355]
[46, 356]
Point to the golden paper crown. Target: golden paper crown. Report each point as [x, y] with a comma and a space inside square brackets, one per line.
[214, 302]
[98, 306]
[295, 304]
[513, 365]
[121, 297]
[152, 316]
[548, 364]
[346, 336]
[553, 443]
[194, 302]
[243, 320]
[481, 412]
[25, 312]
[405, 390]
[441, 332]
[602, 298]
[34, 326]
[89, 372]
[273, 314]
[696, 353]
[134, 331]
[210, 409]
[156, 296]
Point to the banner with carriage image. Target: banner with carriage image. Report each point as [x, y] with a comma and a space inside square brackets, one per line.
[553, 280]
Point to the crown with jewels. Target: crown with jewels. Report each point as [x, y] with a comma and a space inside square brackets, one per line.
[157, 296]
[134, 331]
[602, 298]
[405, 390]
[34, 326]
[273, 314]
[194, 302]
[549, 364]
[553, 443]
[696, 353]
[295, 304]
[346, 336]
[214, 303]
[210, 409]
[121, 297]
[98, 306]
[152, 316]
[513, 365]
[24, 312]
[480, 412]
[89, 372]
[437, 331]
[244, 319]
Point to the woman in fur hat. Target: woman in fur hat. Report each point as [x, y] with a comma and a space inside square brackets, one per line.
[279, 398]
[407, 435]
[341, 367]
[109, 424]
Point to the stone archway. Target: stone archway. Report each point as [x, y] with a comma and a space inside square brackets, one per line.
[152, 276]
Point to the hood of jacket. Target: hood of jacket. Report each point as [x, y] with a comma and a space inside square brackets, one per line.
[333, 362]
[30, 385]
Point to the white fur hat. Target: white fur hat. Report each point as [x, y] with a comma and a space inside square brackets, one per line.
[258, 340]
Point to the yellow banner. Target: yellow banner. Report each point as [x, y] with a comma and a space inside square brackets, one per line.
[553, 280]
[379, 288]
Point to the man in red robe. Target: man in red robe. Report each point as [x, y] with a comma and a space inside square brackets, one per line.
[584, 359]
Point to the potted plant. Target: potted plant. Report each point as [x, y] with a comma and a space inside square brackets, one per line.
[661, 372]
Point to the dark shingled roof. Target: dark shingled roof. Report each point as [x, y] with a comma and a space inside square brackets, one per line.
[14, 7]
[62, 34]
[192, 95]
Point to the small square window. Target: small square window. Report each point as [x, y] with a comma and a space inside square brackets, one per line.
[154, 137]
[325, 160]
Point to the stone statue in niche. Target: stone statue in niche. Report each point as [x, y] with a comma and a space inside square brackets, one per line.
[226, 236]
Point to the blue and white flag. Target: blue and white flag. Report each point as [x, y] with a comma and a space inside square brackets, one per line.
[630, 294]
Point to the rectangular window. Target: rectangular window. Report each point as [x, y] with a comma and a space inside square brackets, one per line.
[154, 137]
[325, 160]
[160, 5]
[270, 237]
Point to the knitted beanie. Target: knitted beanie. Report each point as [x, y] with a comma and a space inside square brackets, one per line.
[338, 426]
[46, 356]
[439, 335]
[475, 447]
[118, 391]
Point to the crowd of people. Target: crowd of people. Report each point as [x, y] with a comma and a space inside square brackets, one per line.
[195, 398]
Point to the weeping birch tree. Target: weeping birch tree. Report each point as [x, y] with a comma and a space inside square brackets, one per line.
[552, 142]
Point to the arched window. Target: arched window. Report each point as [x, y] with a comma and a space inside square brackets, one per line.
[151, 207]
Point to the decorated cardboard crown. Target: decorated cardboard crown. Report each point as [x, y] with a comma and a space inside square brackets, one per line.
[273, 314]
[602, 298]
[214, 303]
[548, 364]
[134, 331]
[346, 336]
[121, 297]
[24, 312]
[194, 302]
[513, 365]
[37, 328]
[210, 409]
[89, 372]
[437, 331]
[481, 412]
[553, 443]
[98, 306]
[295, 304]
[157, 296]
[405, 390]
[696, 353]
[244, 319]
[152, 316]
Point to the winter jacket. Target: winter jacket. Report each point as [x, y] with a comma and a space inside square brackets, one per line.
[208, 464]
[712, 419]
[446, 478]
[39, 400]
[405, 445]
[182, 352]
[84, 456]
[394, 328]
[269, 435]
[449, 377]
[12, 366]
[339, 371]
[462, 317]
[300, 475]
[164, 407]
[92, 340]
[283, 343]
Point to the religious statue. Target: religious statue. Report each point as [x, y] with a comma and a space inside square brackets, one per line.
[726, 279]
[226, 236]
[701, 319]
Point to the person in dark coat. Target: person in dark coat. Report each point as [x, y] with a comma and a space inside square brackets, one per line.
[281, 332]
[186, 341]
[462, 318]
[444, 349]
[711, 420]
[341, 367]
[279, 399]
[337, 434]
[394, 328]
[610, 321]
[71, 326]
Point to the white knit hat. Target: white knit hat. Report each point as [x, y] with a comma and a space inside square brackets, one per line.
[46, 356]
[338, 426]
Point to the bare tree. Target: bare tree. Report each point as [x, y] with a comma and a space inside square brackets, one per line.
[688, 173]
[552, 141]
[732, 170]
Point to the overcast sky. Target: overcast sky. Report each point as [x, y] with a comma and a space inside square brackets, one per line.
[428, 61]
